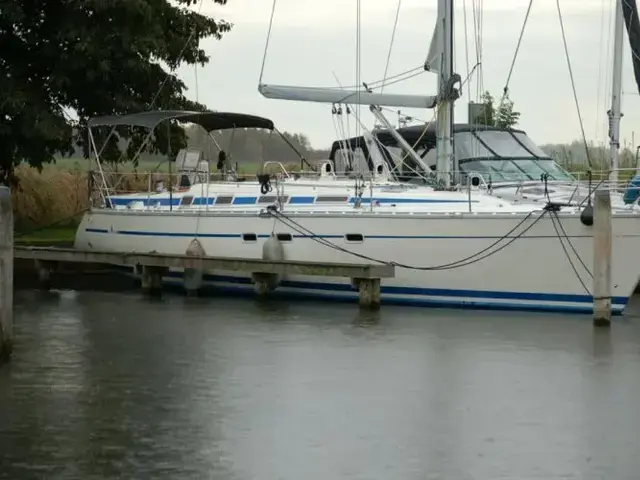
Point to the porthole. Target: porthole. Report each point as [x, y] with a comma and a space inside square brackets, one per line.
[354, 237]
[284, 237]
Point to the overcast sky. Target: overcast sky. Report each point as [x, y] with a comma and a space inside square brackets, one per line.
[313, 40]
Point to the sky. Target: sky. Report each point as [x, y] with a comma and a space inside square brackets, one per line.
[313, 43]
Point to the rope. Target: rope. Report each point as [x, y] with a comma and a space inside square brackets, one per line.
[566, 236]
[573, 84]
[448, 266]
[568, 257]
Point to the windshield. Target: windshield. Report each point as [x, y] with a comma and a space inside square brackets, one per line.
[516, 170]
[556, 172]
[501, 155]
[503, 143]
[515, 157]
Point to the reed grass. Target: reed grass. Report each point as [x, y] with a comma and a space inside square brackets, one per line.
[53, 196]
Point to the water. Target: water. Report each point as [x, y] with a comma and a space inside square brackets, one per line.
[115, 386]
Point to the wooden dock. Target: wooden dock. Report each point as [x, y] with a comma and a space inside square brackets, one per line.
[153, 266]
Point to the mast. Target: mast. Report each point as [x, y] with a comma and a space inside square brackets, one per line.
[615, 113]
[445, 158]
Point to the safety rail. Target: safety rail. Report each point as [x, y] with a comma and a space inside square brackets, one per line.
[472, 183]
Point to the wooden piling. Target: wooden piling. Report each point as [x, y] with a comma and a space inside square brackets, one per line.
[152, 280]
[263, 283]
[6, 273]
[43, 270]
[192, 277]
[602, 233]
[368, 293]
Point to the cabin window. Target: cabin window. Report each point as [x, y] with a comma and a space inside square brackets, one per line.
[331, 198]
[354, 238]
[249, 237]
[284, 237]
[272, 198]
[224, 200]
[186, 201]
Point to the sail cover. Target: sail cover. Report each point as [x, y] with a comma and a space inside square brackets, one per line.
[340, 95]
[630, 14]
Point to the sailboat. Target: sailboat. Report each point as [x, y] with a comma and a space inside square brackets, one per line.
[451, 247]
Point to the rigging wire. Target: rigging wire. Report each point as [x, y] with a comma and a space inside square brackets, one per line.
[601, 53]
[406, 77]
[393, 36]
[358, 61]
[573, 83]
[266, 44]
[505, 91]
[466, 48]
[374, 85]
[477, 7]
[608, 61]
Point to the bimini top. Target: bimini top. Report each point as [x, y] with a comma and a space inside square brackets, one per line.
[426, 134]
[208, 120]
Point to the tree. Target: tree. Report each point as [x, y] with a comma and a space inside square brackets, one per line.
[504, 116]
[92, 57]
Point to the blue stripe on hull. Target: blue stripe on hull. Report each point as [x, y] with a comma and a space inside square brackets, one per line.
[251, 200]
[482, 300]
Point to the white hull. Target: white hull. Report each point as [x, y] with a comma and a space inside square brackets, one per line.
[532, 273]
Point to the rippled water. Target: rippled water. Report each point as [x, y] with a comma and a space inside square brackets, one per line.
[116, 386]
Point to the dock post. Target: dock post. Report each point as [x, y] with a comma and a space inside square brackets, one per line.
[368, 293]
[602, 259]
[6, 273]
[263, 283]
[152, 280]
[192, 277]
[43, 269]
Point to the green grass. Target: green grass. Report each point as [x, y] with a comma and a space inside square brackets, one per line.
[47, 236]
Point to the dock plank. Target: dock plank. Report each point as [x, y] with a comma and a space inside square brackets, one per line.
[284, 267]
